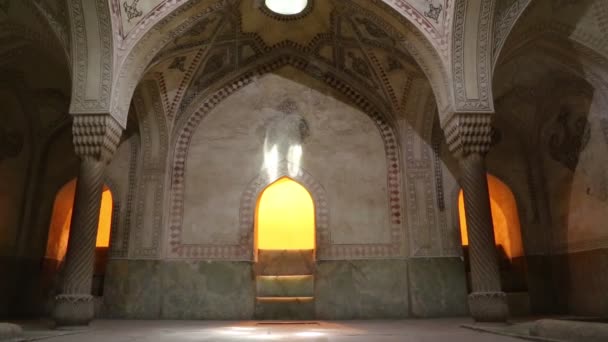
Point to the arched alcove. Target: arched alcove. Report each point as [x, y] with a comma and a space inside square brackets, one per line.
[59, 232]
[299, 97]
[285, 217]
[507, 234]
[505, 218]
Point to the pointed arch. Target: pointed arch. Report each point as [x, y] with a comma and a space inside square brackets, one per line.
[249, 201]
[140, 52]
[205, 103]
[285, 217]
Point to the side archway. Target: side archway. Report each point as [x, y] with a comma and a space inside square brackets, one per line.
[59, 232]
[507, 234]
[249, 204]
[505, 219]
[284, 217]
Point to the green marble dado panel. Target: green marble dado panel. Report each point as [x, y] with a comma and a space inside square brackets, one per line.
[438, 287]
[208, 290]
[366, 289]
[132, 289]
[145, 289]
[347, 289]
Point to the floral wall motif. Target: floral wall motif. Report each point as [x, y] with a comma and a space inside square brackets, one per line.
[569, 138]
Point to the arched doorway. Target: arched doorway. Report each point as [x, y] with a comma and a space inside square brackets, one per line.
[59, 232]
[507, 236]
[284, 251]
[285, 217]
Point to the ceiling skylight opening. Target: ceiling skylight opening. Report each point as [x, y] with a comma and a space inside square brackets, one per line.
[286, 7]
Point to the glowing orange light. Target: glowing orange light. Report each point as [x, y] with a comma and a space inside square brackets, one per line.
[507, 231]
[105, 219]
[285, 217]
[59, 230]
[61, 219]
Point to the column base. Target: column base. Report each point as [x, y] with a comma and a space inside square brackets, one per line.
[73, 310]
[489, 306]
[9, 332]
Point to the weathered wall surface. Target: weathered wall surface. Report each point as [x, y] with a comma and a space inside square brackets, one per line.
[560, 117]
[14, 159]
[36, 157]
[60, 165]
[344, 159]
[576, 158]
[341, 149]
[355, 289]
[179, 290]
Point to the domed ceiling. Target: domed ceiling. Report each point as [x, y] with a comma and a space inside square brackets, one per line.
[341, 38]
[431, 16]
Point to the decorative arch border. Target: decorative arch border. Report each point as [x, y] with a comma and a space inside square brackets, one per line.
[179, 249]
[254, 190]
[141, 48]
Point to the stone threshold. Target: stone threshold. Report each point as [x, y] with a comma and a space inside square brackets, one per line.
[556, 329]
[496, 330]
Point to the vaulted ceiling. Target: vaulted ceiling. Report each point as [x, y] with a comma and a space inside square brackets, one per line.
[109, 47]
[432, 17]
[343, 40]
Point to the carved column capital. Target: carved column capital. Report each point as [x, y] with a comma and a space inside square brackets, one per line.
[96, 136]
[468, 133]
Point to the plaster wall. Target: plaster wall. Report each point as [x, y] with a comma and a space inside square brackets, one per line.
[561, 119]
[575, 159]
[344, 289]
[40, 280]
[577, 186]
[14, 158]
[341, 149]
[14, 161]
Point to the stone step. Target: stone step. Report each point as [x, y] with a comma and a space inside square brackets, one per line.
[285, 308]
[285, 262]
[285, 286]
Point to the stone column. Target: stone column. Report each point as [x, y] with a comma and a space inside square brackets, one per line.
[95, 140]
[469, 136]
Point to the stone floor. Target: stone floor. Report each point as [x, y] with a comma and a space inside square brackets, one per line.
[347, 331]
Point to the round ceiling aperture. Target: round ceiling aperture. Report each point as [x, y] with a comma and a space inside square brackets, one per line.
[287, 7]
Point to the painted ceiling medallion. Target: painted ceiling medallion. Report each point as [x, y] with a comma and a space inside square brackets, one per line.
[287, 9]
